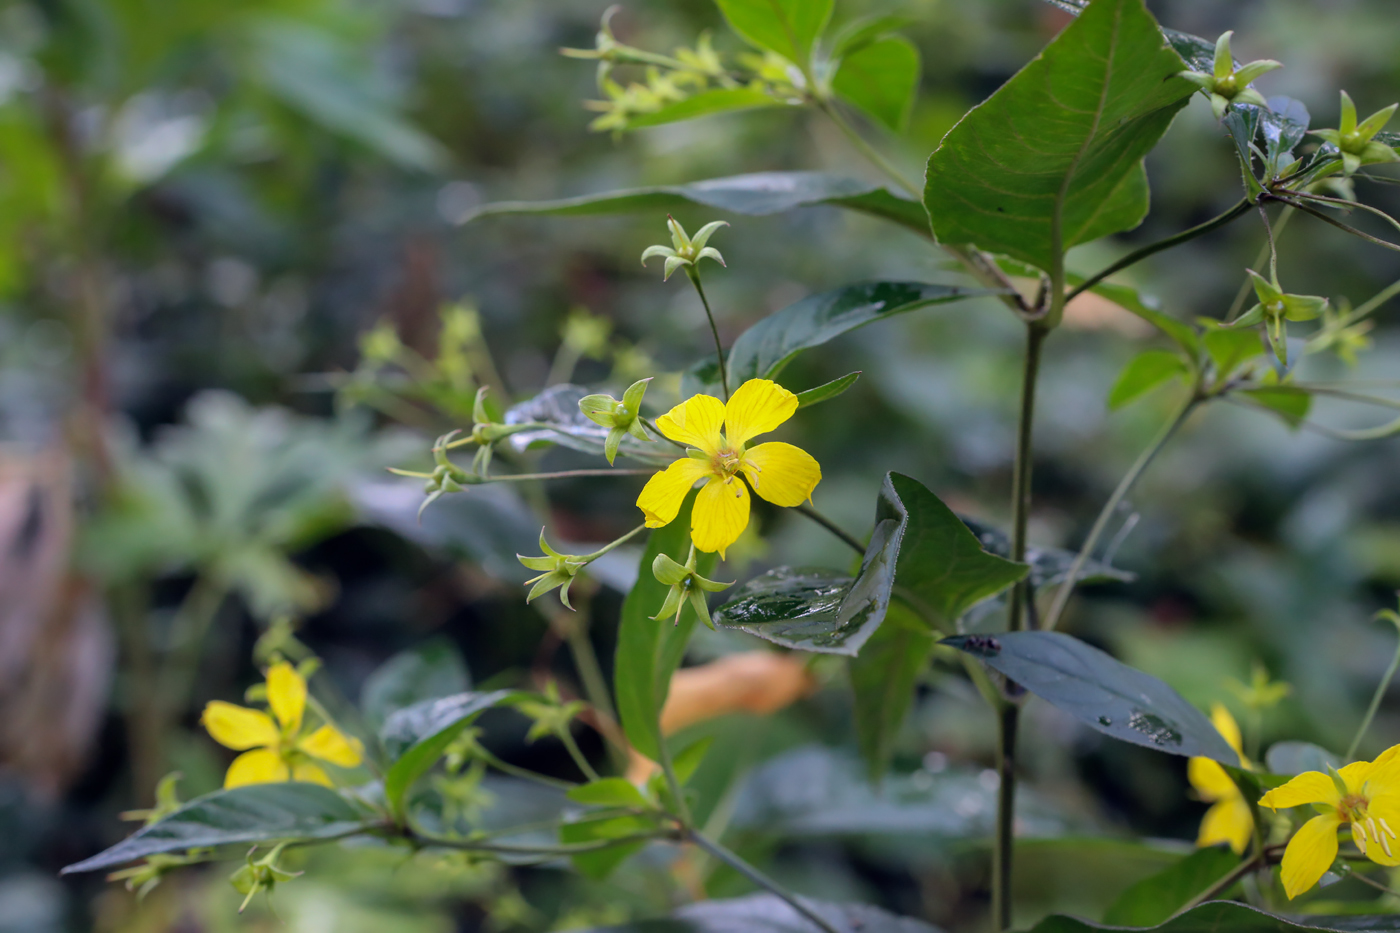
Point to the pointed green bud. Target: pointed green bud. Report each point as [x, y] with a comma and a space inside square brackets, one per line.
[686, 586]
[632, 398]
[611, 443]
[1224, 61]
[667, 571]
[686, 252]
[600, 409]
[479, 412]
[1355, 141]
[1226, 84]
[558, 569]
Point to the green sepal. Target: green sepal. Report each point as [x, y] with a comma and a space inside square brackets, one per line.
[1251, 317]
[600, 409]
[668, 571]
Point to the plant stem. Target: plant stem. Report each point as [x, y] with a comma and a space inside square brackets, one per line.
[1341, 226]
[1246, 287]
[1226, 883]
[1125, 486]
[595, 687]
[612, 544]
[867, 150]
[189, 631]
[1138, 255]
[1380, 689]
[506, 767]
[576, 754]
[758, 878]
[563, 474]
[1007, 720]
[849, 540]
[1021, 478]
[694, 276]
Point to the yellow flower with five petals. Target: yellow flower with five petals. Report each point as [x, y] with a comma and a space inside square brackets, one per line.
[718, 434]
[1229, 818]
[1364, 795]
[275, 747]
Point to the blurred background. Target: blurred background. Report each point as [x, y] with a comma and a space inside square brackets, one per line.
[235, 285]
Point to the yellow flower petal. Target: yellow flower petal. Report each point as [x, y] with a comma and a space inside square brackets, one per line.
[256, 767]
[286, 694]
[330, 744]
[311, 774]
[756, 407]
[781, 473]
[1227, 727]
[721, 514]
[1209, 779]
[663, 494]
[1389, 756]
[1310, 852]
[238, 727]
[696, 422]
[1308, 787]
[1227, 821]
[1376, 835]
[1357, 774]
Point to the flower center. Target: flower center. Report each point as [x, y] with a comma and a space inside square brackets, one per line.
[727, 462]
[1353, 808]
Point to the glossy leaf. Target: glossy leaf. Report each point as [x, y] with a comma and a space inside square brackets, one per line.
[758, 194]
[788, 27]
[830, 390]
[813, 610]
[883, 677]
[1290, 758]
[417, 736]
[881, 78]
[1145, 372]
[705, 104]
[1226, 916]
[648, 651]
[1049, 565]
[558, 406]
[241, 815]
[1156, 898]
[1288, 402]
[1198, 53]
[767, 913]
[1059, 147]
[428, 672]
[1099, 691]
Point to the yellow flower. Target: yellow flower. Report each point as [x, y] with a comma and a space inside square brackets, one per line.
[717, 434]
[1229, 818]
[276, 748]
[1364, 794]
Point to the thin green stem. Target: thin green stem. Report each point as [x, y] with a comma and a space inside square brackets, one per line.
[1375, 884]
[1273, 247]
[1380, 689]
[1007, 719]
[849, 540]
[1125, 486]
[1362, 234]
[870, 152]
[758, 878]
[1246, 287]
[189, 631]
[506, 767]
[576, 754]
[1138, 255]
[1367, 307]
[1021, 478]
[562, 474]
[694, 275]
[1348, 206]
[622, 540]
[1224, 884]
[595, 687]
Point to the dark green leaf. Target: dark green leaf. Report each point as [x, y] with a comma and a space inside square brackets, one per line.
[820, 791]
[688, 759]
[757, 195]
[1093, 103]
[704, 104]
[1100, 691]
[1198, 53]
[767, 913]
[609, 792]
[1145, 372]
[1288, 402]
[860, 33]
[1228, 917]
[558, 406]
[1154, 899]
[253, 813]
[807, 609]
[428, 672]
[826, 392]
[764, 349]
[1291, 758]
[417, 736]
[648, 650]
[788, 27]
[881, 78]
[1049, 565]
[883, 677]
[599, 828]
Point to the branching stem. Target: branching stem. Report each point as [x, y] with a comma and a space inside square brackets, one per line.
[758, 878]
[849, 540]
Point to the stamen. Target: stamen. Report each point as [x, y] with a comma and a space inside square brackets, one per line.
[1371, 825]
[1386, 826]
[1385, 844]
[1360, 841]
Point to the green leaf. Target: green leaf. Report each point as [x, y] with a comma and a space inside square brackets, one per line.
[883, 677]
[609, 792]
[1228, 348]
[764, 349]
[1228, 917]
[881, 78]
[767, 913]
[756, 195]
[828, 391]
[1154, 899]
[1292, 758]
[599, 828]
[648, 651]
[944, 571]
[1288, 402]
[558, 406]
[860, 33]
[417, 736]
[1145, 372]
[788, 27]
[1198, 53]
[688, 759]
[1049, 565]
[428, 672]
[704, 104]
[253, 813]
[1100, 691]
[1059, 147]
